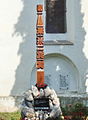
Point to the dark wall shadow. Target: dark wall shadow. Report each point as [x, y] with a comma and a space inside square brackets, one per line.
[25, 27]
[76, 50]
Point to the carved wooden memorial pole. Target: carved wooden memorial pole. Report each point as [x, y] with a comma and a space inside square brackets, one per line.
[40, 48]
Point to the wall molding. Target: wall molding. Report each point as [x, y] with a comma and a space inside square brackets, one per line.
[58, 42]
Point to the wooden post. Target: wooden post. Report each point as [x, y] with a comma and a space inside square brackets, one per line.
[40, 47]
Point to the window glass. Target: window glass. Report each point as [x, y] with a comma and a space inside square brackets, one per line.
[55, 16]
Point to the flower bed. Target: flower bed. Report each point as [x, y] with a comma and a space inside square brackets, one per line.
[75, 112]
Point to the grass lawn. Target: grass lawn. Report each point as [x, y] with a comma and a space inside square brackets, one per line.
[10, 116]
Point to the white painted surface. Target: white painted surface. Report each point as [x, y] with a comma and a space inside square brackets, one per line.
[7, 104]
[60, 74]
[18, 50]
[9, 44]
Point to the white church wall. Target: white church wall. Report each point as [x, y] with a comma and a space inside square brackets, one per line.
[9, 45]
[60, 74]
[17, 46]
[18, 40]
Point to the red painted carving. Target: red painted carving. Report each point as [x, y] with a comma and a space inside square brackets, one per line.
[40, 41]
[39, 8]
[40, 30]
[40, 64]
[40, 55]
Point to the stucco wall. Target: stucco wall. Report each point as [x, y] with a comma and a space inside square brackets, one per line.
[18, 39]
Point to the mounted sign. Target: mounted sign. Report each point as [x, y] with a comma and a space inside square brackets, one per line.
[41, 104]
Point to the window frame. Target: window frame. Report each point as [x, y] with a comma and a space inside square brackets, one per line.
[61, 38]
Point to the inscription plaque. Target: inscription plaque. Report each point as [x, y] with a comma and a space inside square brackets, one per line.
[64, 83]
[41, 104]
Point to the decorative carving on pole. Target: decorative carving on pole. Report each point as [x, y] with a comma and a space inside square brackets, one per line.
[40, 47]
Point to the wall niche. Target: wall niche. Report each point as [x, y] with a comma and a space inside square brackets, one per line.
[60, 74]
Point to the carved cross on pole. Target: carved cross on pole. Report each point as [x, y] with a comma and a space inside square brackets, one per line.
[40, 48]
